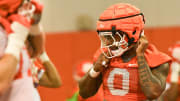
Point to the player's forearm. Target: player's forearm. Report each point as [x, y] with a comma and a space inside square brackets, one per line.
[36, 39]
[8, 65]
[36, 42]
[150, 85]
[52, 74]
[172, 93]
[89, 86]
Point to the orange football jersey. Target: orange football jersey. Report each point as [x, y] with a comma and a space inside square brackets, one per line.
[121, 81]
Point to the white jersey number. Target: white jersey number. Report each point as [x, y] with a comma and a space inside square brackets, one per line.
[125, 82]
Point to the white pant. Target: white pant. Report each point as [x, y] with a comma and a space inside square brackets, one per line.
[36, 95]
[20, 90]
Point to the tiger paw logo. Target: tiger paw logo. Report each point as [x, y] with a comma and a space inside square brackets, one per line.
[101, 26]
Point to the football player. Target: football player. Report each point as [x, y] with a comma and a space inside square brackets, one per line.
[128, 67]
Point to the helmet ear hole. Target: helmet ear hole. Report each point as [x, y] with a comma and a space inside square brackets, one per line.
[131, 40]
[134, 32]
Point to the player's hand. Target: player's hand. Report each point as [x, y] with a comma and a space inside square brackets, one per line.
[142, 45]
[101, 63]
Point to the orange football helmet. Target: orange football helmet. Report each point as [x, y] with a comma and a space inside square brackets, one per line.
[119, 25]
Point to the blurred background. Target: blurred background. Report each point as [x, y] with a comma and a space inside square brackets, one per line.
[70, 26]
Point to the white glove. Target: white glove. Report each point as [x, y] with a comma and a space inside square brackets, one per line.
[44, 57]
[16, 40]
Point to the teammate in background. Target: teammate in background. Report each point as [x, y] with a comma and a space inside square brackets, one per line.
[80, 70]
[19, 20]
[129, 68]
[173, 81]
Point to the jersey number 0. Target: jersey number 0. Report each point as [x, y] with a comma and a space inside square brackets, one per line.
[125, 82]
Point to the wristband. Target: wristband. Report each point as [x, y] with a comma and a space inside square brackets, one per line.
[44, 57]
[93, 73]
[174, 77]
[175, 72]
